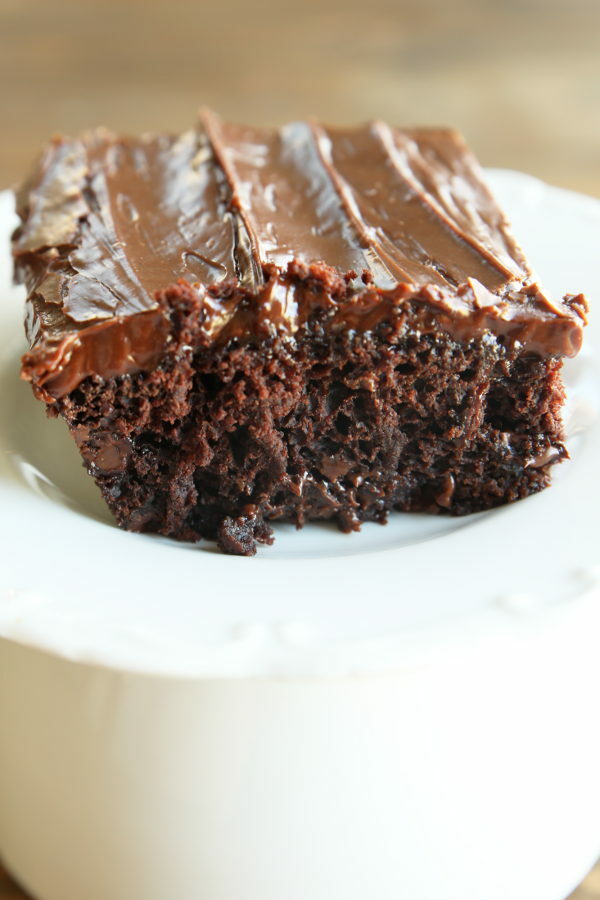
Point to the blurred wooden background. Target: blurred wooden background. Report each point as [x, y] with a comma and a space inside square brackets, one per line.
[521, 78]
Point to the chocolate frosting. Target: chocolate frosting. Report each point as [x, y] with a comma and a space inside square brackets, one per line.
[266, 226]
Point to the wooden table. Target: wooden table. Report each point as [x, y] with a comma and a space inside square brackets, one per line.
[522, 80]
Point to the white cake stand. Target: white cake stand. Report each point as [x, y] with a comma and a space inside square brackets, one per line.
[410, 712]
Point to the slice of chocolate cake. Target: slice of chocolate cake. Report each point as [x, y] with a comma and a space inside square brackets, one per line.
[242, 325]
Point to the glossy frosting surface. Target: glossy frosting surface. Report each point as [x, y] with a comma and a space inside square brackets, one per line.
[372, 216]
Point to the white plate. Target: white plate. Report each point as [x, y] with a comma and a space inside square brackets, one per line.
[317, 602]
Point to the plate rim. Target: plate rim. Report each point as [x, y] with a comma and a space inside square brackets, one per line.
[288, 648]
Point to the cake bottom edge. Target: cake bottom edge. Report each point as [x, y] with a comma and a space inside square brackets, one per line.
[217, 443]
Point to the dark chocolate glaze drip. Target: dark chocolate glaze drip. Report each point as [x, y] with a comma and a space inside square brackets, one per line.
[289, 221]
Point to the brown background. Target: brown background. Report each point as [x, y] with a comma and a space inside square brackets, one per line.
[521, 78]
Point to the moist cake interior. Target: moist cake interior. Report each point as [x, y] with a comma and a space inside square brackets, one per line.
[244, 325]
